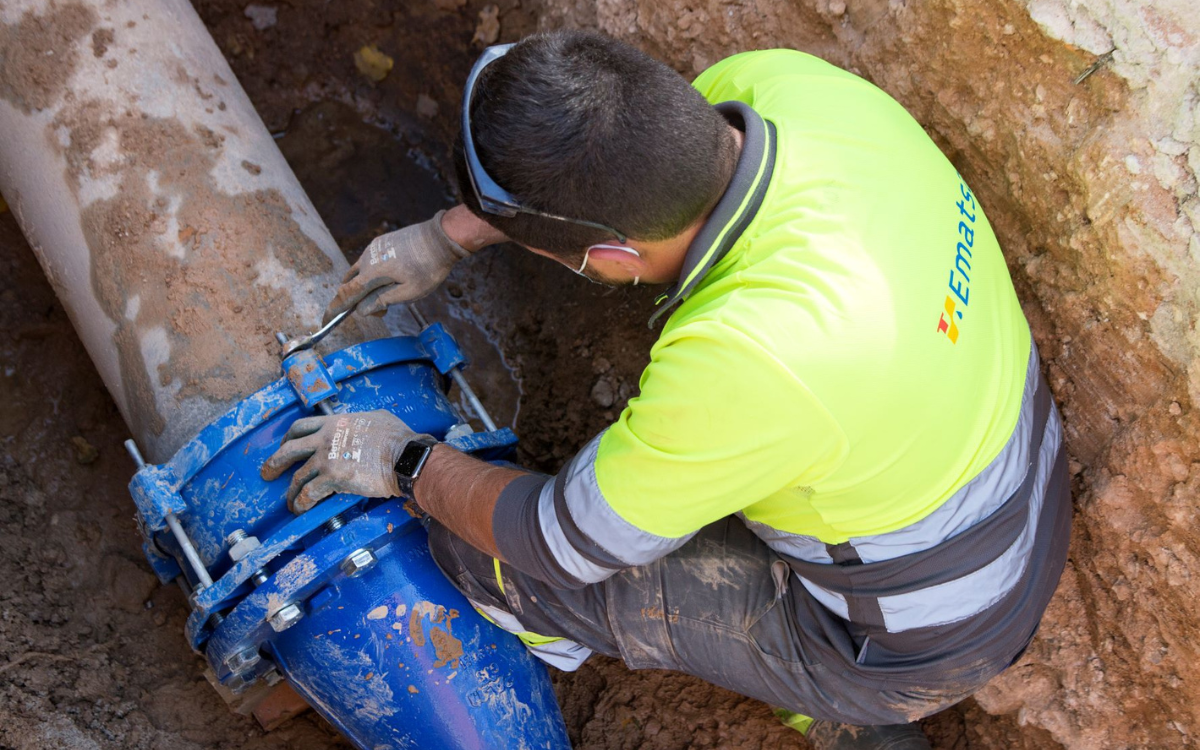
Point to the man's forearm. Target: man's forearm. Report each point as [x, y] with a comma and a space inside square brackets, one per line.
[461, 492]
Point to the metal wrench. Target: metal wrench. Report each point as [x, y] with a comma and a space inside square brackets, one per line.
[310, 340]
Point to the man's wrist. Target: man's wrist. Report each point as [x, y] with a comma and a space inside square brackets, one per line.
[468, 230]
[420, 481]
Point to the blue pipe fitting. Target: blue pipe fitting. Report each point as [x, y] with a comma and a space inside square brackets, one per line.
[306, 372]
[354, 614]
[443, 349]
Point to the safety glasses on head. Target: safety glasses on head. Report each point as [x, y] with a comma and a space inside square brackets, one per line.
[493, 198]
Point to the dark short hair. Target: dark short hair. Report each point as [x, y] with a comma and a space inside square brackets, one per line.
[578, 124]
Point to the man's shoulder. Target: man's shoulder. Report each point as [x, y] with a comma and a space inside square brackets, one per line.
[767, 330]
[734, 76]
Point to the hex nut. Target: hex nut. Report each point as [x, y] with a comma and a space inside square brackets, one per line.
[243, 547]
[286, 617]
[358, 561]
[243, 660]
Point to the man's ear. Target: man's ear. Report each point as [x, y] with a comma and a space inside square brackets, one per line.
[628, 258]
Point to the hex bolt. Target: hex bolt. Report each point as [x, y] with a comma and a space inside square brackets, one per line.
[286, 617]
[243, 661]
[358, 561]
[235, 536]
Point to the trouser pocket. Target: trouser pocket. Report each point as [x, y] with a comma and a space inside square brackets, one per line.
[776, 632]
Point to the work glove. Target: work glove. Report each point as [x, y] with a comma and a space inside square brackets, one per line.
[400, 266]
[346, 453]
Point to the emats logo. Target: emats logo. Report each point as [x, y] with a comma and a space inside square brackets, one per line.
[960, 290]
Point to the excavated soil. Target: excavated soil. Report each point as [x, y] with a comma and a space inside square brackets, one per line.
[91, 647]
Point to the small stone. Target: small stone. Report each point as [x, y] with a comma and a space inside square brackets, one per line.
[602, 393]
[372, 63]
[837, 8]
[487, 31]
[1175, 409]
[427, 106]
[85, 452]
[159, 619]
[262, 17]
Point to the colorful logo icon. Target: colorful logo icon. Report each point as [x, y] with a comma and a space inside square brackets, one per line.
[946, 322]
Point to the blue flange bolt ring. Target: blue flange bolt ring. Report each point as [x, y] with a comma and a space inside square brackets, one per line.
[343, 601]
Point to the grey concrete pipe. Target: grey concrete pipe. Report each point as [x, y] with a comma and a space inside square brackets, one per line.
[159, 206]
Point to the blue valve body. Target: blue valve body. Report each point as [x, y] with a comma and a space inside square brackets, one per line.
[390, 653]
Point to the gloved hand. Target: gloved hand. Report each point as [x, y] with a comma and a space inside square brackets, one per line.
[353, 453]
[400, 266]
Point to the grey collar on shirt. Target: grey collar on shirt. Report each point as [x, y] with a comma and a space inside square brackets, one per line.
[737, 207]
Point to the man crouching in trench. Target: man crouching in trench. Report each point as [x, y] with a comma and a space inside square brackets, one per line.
[842, 488]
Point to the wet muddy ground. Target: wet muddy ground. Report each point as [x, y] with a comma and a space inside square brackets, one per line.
[91, 647]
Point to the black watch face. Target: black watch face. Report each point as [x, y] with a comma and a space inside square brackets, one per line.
[410, 459]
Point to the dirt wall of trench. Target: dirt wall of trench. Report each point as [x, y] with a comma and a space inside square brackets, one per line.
[1091, 186]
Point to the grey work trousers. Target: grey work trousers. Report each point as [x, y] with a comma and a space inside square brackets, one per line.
[719, 608]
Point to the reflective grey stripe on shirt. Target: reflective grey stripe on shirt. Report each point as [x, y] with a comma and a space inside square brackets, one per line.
[971, 554]
[800, 546]
[971, 594]
[587, 507]
[974, 501]
[579, 538]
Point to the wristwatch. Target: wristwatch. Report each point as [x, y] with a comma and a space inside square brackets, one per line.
[412, 460]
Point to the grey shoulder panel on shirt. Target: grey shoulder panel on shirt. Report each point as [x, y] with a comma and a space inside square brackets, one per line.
[519, 537]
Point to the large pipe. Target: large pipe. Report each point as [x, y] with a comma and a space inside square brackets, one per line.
[167, 220]
[180, 241]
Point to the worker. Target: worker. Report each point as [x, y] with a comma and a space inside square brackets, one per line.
[841, 488]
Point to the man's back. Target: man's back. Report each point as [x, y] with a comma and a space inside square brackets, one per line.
[861, 341]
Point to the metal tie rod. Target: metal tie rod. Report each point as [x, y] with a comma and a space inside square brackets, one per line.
[189, 550]
[459, 380]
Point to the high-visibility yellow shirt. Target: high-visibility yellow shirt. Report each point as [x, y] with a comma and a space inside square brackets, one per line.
[855, 356]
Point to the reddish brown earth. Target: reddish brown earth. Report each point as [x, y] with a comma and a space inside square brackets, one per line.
[91, 648]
